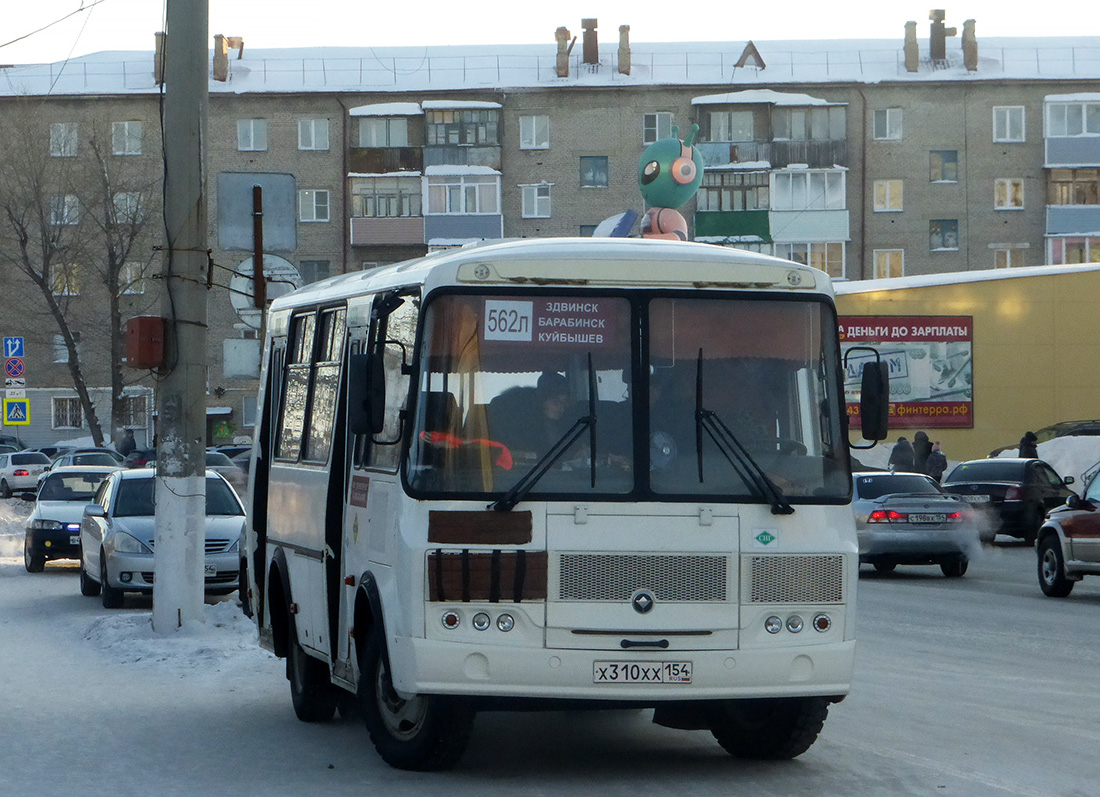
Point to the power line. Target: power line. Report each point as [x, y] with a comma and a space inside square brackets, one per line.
[83, 7]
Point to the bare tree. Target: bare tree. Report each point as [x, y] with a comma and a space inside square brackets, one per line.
[74, 222]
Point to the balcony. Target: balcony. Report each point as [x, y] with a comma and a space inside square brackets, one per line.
[1071, 152]
[386, 230]
[384, 160]
[777, 154]
[735, 224]
[1073, 219]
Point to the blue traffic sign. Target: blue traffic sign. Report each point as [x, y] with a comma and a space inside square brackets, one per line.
[17, 412]
[13, 347]
[14, 367]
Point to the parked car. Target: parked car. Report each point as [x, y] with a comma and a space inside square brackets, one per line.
[20, 471]
[80, 456]
[231, 451]
[116, 536]
[907, 519]
[53, 528]
[1084, 428]
[11, 440]
[1069, 542]
[141, 457]
[1014, 493]
[6, 449]
[220, 463]
[53, 451]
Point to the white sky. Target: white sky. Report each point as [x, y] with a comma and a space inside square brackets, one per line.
[130, 24]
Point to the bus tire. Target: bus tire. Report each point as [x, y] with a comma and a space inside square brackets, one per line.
[311, 690]
[769, 728]
[425, 733]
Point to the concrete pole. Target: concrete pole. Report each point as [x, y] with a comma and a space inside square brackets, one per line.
[178, 588]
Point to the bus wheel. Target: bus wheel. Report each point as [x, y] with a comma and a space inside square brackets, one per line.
[423, 733]
[311, 691]
[769, 728]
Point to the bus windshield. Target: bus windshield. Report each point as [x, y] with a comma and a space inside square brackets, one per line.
[717, 397]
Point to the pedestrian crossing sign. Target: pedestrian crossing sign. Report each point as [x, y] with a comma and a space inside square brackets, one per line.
[17, 412]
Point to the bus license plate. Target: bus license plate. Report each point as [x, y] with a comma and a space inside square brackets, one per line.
[641, 672]
[926, 518]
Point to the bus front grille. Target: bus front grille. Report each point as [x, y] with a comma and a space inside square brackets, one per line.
[794, 579]
[618, 577]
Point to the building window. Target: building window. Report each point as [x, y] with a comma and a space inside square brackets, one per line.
[888, 124]
[733, 190]
[943, 235]
[384, 131]
[731, 126]
[889, 263]
[888, 196]
[313, 134]
[594, 171]
[134, 412]
[126, 138]
[534, 132]
[827, 256]
[808, 190]
[252, 135]
[385, 196]
[586, 230]
[536, 201]
[313, 270]
[809, 124]
[64, 137]
[463, 127]
[1075, 186]
[248, 411]
[312, 205]
[64, 209]
[656, 126]
[1008, 194]
[1008, 258]
[67, 413]
[1074, 251]
[464, 194]
[61, 351]
[66, 280]
[128, 208]
[1008, 123]
[944, 166]
[131, 278]
[1073, 119]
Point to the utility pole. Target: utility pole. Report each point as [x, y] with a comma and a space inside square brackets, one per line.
[178, 587]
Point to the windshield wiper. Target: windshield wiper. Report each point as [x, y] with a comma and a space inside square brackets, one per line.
[733, 450]
[528, 481]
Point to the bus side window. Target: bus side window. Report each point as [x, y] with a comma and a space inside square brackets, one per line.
[384, 449]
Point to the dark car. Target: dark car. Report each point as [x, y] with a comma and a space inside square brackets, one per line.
[1016, 493]
[141, 457]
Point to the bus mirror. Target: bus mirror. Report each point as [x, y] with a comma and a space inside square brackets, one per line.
[366, 393]
[874, 401]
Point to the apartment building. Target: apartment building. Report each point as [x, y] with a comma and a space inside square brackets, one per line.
[868, 159]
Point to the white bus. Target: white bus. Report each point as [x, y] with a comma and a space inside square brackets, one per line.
[558, 473]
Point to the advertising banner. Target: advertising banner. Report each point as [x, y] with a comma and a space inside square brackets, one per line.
[931, 364]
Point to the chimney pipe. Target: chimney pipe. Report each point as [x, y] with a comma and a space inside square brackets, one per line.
[970, 46]
[221, 58]
[912, 49]
[938, 36]
[624, 49]
[158, 57]
[591, 49]
[561, 35]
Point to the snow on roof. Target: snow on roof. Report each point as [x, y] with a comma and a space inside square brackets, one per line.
[388, 109]
[760, 97]
[499, 67]
[843, 287]
[451, 170]
[751, 166]
[384, 174]
[431, 105]
[1086, 96]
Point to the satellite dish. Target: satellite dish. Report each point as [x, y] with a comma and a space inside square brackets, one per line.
[280, 276]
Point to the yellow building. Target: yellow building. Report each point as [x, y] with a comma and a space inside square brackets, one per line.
[1034, 334]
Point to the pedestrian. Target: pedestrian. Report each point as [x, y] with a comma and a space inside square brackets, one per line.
[127, 444]
[937, 462]
[901, 456]
[1028, 449]
[921, 449]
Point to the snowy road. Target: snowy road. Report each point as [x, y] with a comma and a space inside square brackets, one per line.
[972, 686]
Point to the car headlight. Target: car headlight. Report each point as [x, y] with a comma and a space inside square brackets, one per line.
[236, 546]
[124, 543]
[45, 525]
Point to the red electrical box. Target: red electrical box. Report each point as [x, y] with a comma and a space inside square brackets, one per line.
[145, 342]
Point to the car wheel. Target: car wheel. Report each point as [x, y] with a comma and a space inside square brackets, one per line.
[885, 567]
[5, 490]
[34, 564]
[112, 598]
[956, 568]
[88, 587]
[1052, 569]
[311, 690]
[422, 733]
[769, 728]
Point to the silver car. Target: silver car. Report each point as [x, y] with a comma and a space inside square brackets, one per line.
[20, 471]
[116, 536]
[907, 519]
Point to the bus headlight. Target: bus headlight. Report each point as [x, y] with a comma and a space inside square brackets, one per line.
[481, 621]
[773, 625]
[506, 623]
[794, 623]
[450, 620]
[822, 623]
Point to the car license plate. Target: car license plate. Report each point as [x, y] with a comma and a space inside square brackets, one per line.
[641, 672]
[975, 499]
[917, 517]
[74, 539]
[209, 570]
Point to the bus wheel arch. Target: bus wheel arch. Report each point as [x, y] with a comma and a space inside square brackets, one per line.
[278, 604]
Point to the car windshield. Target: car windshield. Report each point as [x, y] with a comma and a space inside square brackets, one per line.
[94, 458]
[70, 486]
[878, 486]
[135, 498]
[30, 459]
[989, 470]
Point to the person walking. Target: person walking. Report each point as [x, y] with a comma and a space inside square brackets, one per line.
[901, 456]
[922, 447]
[936, 463]
[1028, 449]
